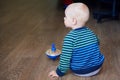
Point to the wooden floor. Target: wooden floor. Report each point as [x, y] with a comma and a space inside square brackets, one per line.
[29, 27]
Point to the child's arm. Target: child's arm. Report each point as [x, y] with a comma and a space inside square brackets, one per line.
[66, 55]
[65, 58]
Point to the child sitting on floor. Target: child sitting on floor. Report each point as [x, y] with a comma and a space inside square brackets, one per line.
[80, 50]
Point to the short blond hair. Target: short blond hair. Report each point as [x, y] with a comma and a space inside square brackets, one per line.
[80, 11]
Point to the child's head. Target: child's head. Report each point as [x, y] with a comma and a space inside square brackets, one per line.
[76, 15]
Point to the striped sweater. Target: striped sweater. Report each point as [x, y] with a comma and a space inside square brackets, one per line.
[80, 52]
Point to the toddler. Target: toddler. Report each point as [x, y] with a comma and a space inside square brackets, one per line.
[80, 50]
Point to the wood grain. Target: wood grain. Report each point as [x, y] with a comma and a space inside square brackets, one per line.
[29, 27]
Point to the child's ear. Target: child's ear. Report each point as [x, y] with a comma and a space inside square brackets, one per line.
[74, 21]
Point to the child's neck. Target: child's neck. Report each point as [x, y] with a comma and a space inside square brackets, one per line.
[78, 26]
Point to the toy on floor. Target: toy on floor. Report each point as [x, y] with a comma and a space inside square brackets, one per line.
[53, 53]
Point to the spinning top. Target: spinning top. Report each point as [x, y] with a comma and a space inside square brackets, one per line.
[53, 53]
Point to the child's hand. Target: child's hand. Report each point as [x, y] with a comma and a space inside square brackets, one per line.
[53, 75]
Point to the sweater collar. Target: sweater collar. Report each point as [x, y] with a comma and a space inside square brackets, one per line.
[84, 27]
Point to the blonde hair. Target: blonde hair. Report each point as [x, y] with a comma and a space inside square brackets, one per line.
[79, 11]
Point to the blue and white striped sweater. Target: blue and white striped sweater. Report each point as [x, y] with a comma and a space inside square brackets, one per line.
[80, 52]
